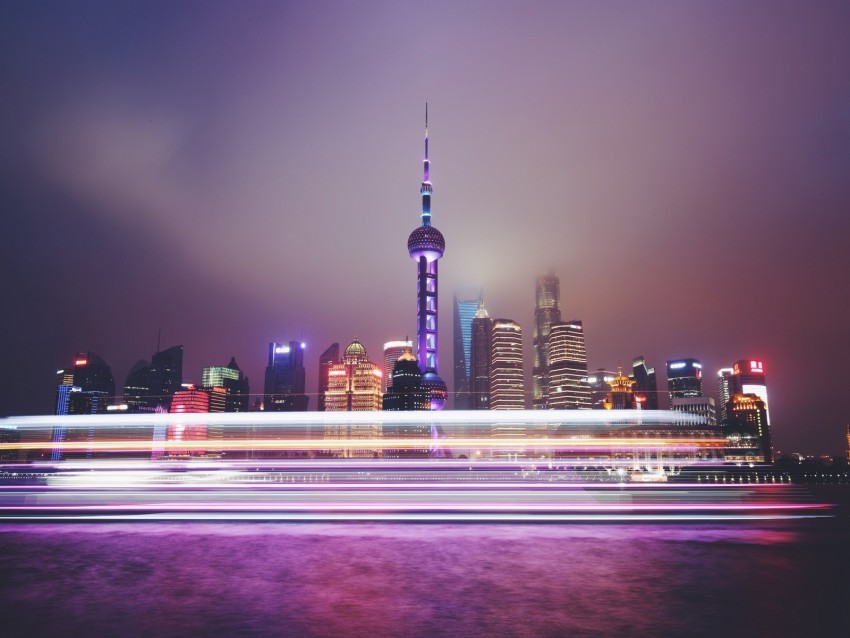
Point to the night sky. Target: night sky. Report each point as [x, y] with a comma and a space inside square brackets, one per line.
[236, 173]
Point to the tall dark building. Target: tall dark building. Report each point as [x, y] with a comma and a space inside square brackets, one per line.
[481, 356]
[405, 392]
[546, 313]
[748, 377]
[329, 358]
[724, 393]
[166, 376]
[566, 369]
[466, 303]
[646, 385]
[426, 245]
[86, 388]
[599, 383]
[285, 378]
[684, 378]
[137, 388]
[747, 424]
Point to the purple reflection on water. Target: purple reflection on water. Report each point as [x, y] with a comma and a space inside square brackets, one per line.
[419, 580]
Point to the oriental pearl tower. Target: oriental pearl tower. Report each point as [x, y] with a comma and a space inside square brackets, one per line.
[426, 246]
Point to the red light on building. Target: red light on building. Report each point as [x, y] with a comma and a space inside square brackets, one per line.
[756, 366]
[81, 362]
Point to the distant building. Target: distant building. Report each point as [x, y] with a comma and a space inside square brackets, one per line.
[684, 378]
[354, 384]
[166, 376]
[646, 385]
[598, 383]
[137, 388]
[467, 301]
[86, 387]
[700, 406]
[546, 313]
[507, 383]
[188, 400]
[329, 358]
[748, 377]
[621, 396]
[724, 393]
[392, 351]
[566, 369]
[405, 391]
[748, 427]
[284, 388]
[481, 355]
[232, 383]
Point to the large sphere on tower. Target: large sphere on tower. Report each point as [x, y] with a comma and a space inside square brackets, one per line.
[436, 387]
[426, 241]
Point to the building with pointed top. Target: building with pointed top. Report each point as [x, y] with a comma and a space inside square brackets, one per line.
[355, 383]
[621, 396]
[547, 312]
[392, 351]
[425, 246]
[481, 356]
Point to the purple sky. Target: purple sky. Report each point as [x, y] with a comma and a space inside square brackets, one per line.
[237, 173]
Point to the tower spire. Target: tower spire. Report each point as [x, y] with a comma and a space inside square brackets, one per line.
[425, 190]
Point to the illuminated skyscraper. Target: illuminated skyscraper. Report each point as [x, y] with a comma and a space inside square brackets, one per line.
[405, 391]
[85, 388]
[392, 351]
[466, 303]
[684, 378]
[481, 354]
[546, 312]
[285, 378]
[230, 380]
[646, 387]
[748, 378]
[566, 370]
[507, 383]
[354, 384]
[192, 400]
[622, 395]
[426, 245]
[724, 393]
[329, 358]
[137, 388]
[747, 425]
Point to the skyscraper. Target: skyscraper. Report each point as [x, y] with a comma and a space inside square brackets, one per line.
[166, 376]
[622, 395]
[467, 301]
[724, 393]
[405, 391]
[426, 245]
[230, 380]
[645, 383]
[137, 388]
[599, 384]
[85, 388]
[566, 369]
[507, 382]
[329, 358]
[285, 378]
[546, 312]
[354, 384]
[392, 351]
[684, 378]
[747, 424]
[748, 377]
[481, 354]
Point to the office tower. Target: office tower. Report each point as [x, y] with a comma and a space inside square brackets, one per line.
[405, 391]
[480, 354]
[188, 399]
[85, 388]
[507, 384]
[546, 312]
[621, 396]
[724, 393]
[598, 383]
[684, 378]
[285, 378]
[701, 406]
[137, 388]
[748, 378]
[566, 368]
[467, 301]
[646, 387]
[848, 443]
[232, 383]
[392, 351]
[426, 245]
[354, 384]
[747, 424]
[329, 358]
[166, 376]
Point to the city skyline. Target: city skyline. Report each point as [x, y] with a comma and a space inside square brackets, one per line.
[139, 202]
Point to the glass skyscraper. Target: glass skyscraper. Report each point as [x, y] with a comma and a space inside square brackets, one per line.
[567, 367]
[546, 312]
[467, 301]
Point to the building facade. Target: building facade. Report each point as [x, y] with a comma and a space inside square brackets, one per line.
[329, 358]
[507, 382]
[392, 351]
[547, 295]
[646, 386]
[481, 354]
[567, 367]
[284, 389]
[684, 378]
[467, 301]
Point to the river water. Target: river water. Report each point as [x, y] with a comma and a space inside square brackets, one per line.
[786, 578]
